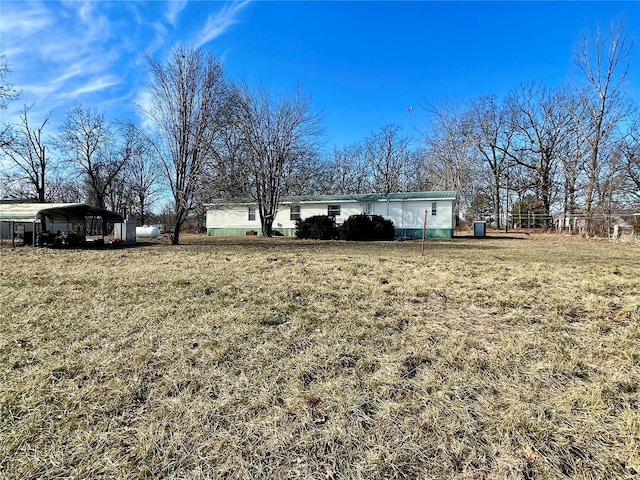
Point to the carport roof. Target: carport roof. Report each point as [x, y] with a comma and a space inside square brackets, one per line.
[29, 212]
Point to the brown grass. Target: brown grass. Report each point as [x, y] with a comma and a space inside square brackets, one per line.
[250, 358]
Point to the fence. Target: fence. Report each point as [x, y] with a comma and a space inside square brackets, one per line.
[602, 225]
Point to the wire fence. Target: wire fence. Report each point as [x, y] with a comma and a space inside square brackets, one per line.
[603, 225]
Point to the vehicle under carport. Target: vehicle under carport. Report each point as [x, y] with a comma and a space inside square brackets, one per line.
[53, 223]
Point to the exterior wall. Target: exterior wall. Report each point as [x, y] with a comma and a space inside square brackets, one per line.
[231, 217]
[407, 217]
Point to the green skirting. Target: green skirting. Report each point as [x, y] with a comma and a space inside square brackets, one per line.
[231, 232]
[416, 233]
[241, 232]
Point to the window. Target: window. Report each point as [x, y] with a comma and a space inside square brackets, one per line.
[333, 210]
[295, 212]
[252, 214]
[434, 207]
[367, 209]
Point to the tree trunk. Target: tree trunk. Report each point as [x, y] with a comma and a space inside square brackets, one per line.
[496, 203]
[267, 225]
[175, 238]
[141, 197]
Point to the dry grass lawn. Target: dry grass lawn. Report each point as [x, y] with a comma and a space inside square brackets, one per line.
[282, 359]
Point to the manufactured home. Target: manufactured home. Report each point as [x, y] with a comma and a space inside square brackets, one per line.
[407, 211]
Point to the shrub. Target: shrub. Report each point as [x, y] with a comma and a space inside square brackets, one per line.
[383, 229]
[357, 228]
[319, 227]
[367, 228]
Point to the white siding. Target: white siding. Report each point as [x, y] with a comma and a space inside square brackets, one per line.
[231, 216]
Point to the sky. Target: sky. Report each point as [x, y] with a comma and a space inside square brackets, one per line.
[363, 63]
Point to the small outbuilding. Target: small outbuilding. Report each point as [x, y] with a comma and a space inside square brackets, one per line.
[52, 223]
[407, 211]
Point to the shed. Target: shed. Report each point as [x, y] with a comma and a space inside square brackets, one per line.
[51, 221]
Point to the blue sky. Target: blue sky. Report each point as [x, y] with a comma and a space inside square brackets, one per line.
[363, 63]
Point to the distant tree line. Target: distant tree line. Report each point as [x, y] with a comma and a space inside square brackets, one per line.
[573, 149]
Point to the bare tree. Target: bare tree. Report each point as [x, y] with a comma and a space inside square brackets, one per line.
[7, 92]
[386, 153]
[421, 175]
[604, 63]
[143, 178]
[311, 178]
[449, 151]
[281, 136]
[225, 177]
[65, 189]
[573, 158]
[137, 184]
[347, 171]
[187, 96]
[631, 161]
[541, 121]
[29, 156]
[97, 151]
[493, 137]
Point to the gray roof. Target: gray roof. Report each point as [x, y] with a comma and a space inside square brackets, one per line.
[358, 197]
[29, 212]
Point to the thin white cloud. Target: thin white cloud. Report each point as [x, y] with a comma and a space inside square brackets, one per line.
[28, 20]
[92, 51]
[85, 12]
[174, 8]
[96, 26]
[144, 103]
[35, 91]
[77, 69]
[159, 38]
[95, 85]
[219, 23]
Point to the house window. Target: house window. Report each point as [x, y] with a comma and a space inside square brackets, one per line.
[367, 209]
[434, 207]
[295, 212]
[252, 214]
[333, 210]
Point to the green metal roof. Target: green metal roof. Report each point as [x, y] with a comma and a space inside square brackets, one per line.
[359, 197]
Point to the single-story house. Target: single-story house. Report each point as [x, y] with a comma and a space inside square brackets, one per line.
[53, 221]
[405, 209]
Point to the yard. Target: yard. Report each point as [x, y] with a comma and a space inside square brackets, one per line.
[280, 359]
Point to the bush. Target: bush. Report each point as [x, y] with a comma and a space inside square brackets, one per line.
[357, 228]
[319, 227]
[383, 229]
[367, 228]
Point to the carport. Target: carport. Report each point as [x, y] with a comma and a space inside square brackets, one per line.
[51, 223]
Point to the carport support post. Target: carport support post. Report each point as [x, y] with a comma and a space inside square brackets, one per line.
[13, 234]
[104, 228]
[424, 233]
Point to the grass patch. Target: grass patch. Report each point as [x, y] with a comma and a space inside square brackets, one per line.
[254, 358]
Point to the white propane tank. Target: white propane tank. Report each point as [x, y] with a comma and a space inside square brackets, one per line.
[147, 231]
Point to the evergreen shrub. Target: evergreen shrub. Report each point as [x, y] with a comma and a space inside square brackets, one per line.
[318, 227]
[383, 229]
[367, 228]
